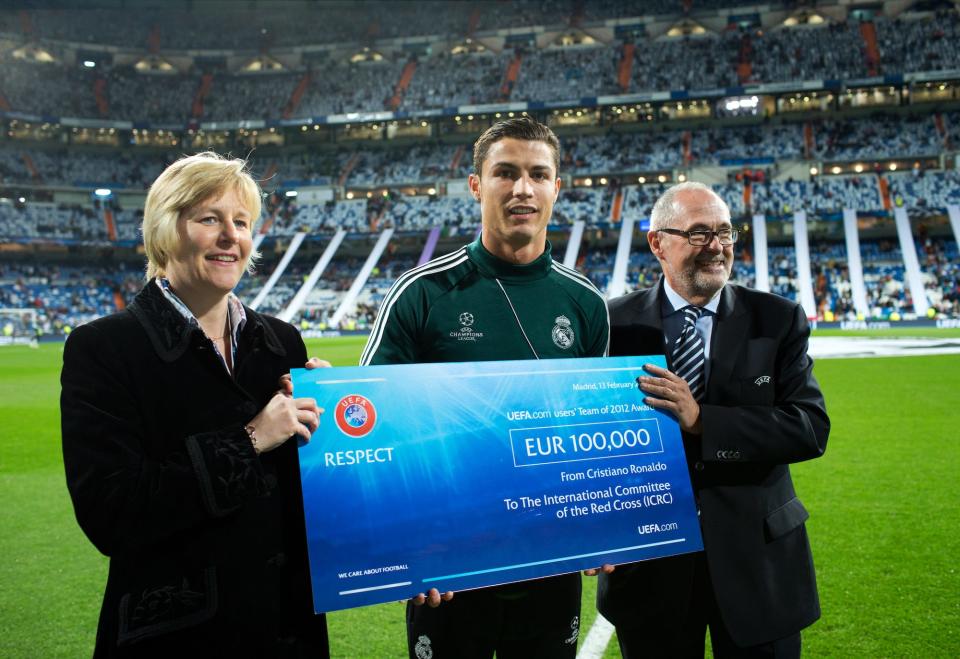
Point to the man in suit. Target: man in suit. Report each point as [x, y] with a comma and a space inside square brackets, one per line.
[748, 406]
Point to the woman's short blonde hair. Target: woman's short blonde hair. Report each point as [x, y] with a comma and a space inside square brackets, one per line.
[184, 184]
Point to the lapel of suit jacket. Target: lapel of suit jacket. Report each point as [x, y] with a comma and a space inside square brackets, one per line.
[729, 333]
[648, 311]
[636, 328]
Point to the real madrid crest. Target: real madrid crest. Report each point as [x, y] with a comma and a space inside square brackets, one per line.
[562, 333]
[423, 649]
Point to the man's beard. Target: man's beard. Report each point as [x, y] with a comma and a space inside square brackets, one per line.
[701, 284]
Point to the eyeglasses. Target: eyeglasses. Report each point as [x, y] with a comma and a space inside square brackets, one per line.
[702, 237]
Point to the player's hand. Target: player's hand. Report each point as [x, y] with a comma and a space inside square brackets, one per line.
[432, 598]
[286, 382]
[670, 392]
[606, 568]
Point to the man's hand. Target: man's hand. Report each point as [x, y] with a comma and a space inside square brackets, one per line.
[671, 393]
[286, 383]
[606, 568]
[432, 598]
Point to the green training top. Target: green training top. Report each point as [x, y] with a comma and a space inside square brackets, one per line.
[471, 306]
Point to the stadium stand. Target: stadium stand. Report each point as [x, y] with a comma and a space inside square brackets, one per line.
[829, 51]
[878, 137]
[821, 195]
[612, 153]
[833, 51]
[783, 271]
[941, 265]
[925, 190]
[191, 26]
[565, 73]
[51, 221]
[930, 43]
[400, 158]
[62, 297]
[451, 80]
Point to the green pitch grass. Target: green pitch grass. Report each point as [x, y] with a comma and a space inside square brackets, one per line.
[883, 501]
[896, 333]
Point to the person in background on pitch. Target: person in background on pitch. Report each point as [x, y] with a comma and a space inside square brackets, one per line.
[175, 440]
[519, 304]
[740, 384]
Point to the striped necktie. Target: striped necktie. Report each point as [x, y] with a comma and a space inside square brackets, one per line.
[688, 356]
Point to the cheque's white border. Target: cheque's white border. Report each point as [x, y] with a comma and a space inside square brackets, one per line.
[536, 372]
[382, 587]
[493, 375]
[553, 560]
[350, 381]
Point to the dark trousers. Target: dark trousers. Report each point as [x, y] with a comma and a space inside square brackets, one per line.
[688, 641]
[533, 620]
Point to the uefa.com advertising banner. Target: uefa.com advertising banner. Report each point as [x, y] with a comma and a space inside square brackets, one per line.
[465, 475]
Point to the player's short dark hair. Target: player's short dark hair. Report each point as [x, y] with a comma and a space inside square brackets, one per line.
[520, 128]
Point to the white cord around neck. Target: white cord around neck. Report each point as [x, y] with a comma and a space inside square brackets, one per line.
[517, 318]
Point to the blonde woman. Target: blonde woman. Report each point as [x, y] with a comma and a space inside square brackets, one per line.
[176, 440]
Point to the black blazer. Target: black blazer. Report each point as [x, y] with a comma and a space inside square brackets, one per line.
[205, 538]
[762, 411]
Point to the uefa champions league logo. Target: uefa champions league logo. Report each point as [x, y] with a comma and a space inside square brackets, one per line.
[466, 331]
[355, 415]
[574, 631]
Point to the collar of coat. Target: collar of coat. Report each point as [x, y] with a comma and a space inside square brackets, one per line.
[644, 307]
[171, 334]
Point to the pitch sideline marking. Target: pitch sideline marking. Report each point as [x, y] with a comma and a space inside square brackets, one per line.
[595, 644]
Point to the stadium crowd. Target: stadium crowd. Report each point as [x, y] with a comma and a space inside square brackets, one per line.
[614, 175]
[60, 297]
[827, 196]
[40, 299]
[613, 153]
[335, 85]
[193, 27]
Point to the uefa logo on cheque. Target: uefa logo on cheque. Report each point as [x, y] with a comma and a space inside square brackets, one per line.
[355, 415]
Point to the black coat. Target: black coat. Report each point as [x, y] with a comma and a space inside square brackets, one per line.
[205, 538]
[762, 410]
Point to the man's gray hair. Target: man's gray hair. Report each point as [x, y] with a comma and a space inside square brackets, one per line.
[665, 211]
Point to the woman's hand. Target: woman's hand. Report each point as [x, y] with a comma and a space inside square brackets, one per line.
[286, 382]
[282, 418]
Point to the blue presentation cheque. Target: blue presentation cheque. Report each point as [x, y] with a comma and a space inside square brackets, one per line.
[464, 475]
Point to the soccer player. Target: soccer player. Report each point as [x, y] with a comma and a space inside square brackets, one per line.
[500, 297]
